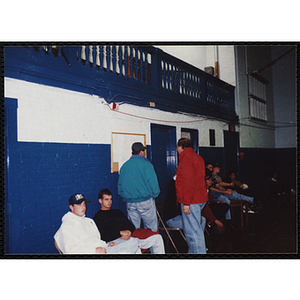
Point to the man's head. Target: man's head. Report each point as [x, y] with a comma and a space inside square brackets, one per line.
[216, 168]
[209, 166]
[231, 175]
[138, 149]
[105, 199]
[184, 143]
[208, 176]
[78, 204]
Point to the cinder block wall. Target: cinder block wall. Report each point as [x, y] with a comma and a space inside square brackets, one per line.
[46, 175]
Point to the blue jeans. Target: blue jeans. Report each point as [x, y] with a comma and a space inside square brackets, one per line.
[130, 247]
[237, 196]
[221, 197]
[176, 222]
[193, 230]
[155, 243]
[145, 211]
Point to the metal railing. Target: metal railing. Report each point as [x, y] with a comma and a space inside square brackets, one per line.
[173, 81]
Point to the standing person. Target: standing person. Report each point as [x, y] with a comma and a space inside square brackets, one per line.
[191, 194]
[138, 185]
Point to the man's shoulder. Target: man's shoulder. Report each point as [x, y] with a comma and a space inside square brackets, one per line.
[113, 211]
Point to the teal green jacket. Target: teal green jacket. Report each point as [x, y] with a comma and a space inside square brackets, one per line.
[137, 180]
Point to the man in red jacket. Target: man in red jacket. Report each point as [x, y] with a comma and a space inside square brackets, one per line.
[191, 194]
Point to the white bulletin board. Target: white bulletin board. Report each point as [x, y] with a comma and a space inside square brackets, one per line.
[121, 148]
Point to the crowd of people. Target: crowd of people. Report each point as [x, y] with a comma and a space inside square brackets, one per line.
[197, 195]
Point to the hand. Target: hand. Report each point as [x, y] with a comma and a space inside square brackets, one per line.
[111, 244]
[219, 223]
[125, 234]
[186, 209]
[231, 184]
[228, 192]
[100, 250]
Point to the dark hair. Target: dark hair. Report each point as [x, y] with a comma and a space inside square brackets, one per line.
[104, 191]
[207, 163]
[185, 143]
[136, 152]
[208, 174]
[230, 173]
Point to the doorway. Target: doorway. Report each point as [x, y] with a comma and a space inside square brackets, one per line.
[191, 134]
[163, 156]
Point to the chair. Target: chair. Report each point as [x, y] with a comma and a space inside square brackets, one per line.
[162, 226]
[56, 246]
[240, 204]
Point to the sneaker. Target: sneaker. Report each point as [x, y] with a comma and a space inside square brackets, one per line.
[250, 211]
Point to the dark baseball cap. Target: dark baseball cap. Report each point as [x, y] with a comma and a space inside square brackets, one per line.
[77, 199]
[137, 147]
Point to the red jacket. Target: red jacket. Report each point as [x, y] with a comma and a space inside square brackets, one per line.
[190, 180]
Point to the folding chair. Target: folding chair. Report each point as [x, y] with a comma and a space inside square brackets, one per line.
[57, 248]
[162, 226]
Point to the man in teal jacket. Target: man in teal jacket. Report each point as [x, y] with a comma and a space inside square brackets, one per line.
[138, 186]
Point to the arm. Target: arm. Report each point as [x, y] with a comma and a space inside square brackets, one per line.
[152, 181]
[125, 226]
[227, 192]
[209, 215]
[74, 243]
[225, 184]
[219, 223]
[125, 234]
[108, 224]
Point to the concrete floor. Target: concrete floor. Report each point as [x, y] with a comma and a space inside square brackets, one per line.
[273, 230]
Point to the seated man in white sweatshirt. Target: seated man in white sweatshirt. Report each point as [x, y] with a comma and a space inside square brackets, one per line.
[80, 235]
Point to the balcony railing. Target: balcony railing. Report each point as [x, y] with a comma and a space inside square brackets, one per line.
[139, 74]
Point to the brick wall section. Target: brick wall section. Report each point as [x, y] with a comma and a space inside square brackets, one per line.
[44, 177]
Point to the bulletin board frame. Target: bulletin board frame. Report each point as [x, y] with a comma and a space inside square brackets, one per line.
[121, 147]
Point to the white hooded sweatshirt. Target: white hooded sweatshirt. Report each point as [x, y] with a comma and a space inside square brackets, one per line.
[78, 235]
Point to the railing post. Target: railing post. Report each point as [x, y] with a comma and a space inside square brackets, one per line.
[131, 62]
[156, 69]
[120, 56]
[126, 60]
[107, 58]
[114, 59]
[101, 56]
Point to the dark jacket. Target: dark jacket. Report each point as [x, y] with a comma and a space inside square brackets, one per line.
[111, 222]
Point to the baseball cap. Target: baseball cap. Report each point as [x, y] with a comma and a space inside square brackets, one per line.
[77, 199]
[137, 146]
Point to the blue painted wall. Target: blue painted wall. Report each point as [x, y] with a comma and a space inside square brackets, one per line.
[44, 176]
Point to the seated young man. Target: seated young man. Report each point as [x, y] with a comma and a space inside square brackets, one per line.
[79, 234]
[115, 227]
[222, 194]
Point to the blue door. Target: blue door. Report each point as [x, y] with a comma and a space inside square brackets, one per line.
[163, 156]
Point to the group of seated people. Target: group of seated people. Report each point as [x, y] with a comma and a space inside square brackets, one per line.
[109, 232]
[220, 193]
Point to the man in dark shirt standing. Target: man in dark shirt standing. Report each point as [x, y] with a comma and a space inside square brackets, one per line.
[114, 226]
